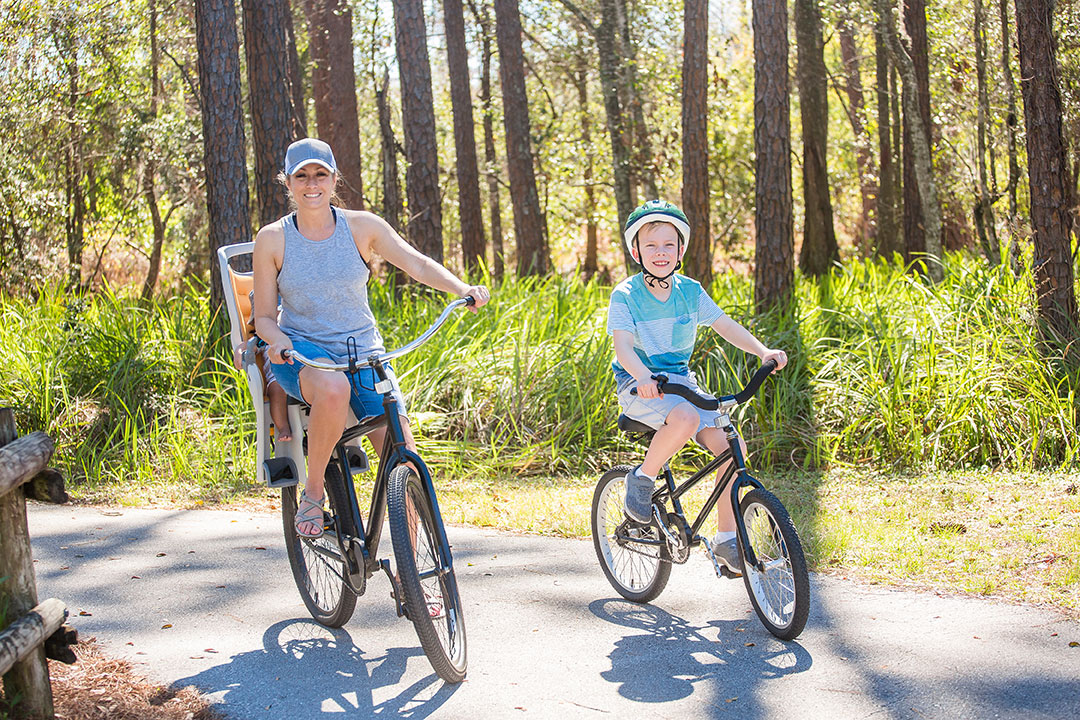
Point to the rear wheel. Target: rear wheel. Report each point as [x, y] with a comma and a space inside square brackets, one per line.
[429, 586]
[779, 587]
[629, 553]
[318, 566]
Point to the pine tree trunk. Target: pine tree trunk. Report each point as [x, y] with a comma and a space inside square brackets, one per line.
[266, 51]
[920, 146]
[915, 240]
[644, 166]
[491, 160]
[863, 157]
[298, 112]
[819, 248]
[392, 208]
[333, 81]
[74, 161]
[1011, 121]
[774, 270]
[150, 167]
[223, 133]
[887, 237]
[468, 176]
[424, 202]
[607, 51]
[1047, 171]
[984, 211]
[581, 84]
[695, 140]
[529, 229]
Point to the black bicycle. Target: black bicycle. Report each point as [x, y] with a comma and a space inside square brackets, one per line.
[331, 571]
[637, 557]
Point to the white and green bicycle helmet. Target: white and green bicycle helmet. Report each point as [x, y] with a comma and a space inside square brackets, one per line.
[656, 211]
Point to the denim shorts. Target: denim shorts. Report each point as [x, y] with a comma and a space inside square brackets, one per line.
[365, 402]
[654, 411]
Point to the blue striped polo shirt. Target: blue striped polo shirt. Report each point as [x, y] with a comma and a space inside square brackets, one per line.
[664, 332]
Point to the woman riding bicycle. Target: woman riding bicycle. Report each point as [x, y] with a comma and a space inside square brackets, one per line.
[653, 319]
[317, 260]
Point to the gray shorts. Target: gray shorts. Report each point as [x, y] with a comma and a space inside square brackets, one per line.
[654, 412]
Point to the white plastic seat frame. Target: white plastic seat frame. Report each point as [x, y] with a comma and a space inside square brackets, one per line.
[298, 414]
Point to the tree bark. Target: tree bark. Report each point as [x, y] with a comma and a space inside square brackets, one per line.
[393, 208]
[1047, 171]
[608, 55]
[295, 77]
[1011, 121]
[695, 139]
[333, 81]
[644, 167]
[920, 147]
[984, 211]
[266, 50]
[424, 207]
[863, 158]
[74, 165]
[468, 175]
[819, 248]
[150, 166]
[887, 238]
[223, 133]
[914, 23]
[774, 252]
[529, 226]
[581, 83]
[491, 160]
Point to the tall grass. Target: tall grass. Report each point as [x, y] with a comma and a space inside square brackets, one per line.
[886, 371]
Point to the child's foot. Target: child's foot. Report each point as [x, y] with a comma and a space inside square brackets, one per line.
[726, 552]
[282, 429]
[638, 502]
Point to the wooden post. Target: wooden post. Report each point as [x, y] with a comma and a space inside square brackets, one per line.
[29, 678]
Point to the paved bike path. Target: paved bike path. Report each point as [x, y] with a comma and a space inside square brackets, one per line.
[206, 598]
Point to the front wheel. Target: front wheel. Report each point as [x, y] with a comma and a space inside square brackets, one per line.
[428, 585]
[778, 585]
[629, 552]
[318, 565]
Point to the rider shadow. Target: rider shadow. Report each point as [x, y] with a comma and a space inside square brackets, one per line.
[671, 659]
[305, 669]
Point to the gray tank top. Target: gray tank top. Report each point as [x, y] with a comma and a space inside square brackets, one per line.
[323, 287]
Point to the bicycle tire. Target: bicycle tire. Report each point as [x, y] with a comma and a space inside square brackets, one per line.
[780, 590]
[318, 566]
[638, 572]
[424, 582]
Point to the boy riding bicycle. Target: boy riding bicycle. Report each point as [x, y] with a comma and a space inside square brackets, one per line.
[653, 318]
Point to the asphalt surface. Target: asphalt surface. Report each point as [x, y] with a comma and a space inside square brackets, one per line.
[206, 598]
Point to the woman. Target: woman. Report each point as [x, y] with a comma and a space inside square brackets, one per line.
[317, 261]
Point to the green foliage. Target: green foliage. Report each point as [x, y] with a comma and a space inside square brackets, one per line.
[886, 372]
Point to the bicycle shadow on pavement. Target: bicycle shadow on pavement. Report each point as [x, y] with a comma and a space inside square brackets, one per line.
[672, 659]
[304, 670]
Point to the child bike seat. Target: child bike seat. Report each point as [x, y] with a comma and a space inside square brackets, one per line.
[633, 427]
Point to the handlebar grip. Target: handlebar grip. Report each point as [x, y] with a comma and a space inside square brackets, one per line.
[701, 401]
[755, 382]
[470, 300]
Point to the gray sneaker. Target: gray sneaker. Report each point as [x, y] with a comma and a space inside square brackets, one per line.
[727, 554]
[638, 502]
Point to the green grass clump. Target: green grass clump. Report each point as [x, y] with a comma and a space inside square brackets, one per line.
[887, 372]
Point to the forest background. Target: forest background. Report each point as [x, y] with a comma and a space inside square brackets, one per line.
[889, 193]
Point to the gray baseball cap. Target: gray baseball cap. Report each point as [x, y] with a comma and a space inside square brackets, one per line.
[306, 151]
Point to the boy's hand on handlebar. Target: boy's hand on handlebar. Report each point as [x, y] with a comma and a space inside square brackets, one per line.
[777, 356]
[647, 389]
[480, 296]
[274, 352]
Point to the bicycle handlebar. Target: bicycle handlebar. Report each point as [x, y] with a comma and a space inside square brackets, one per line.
[706, 402]
[382, 357]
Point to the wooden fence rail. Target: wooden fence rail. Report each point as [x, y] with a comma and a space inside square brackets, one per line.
[22, 643]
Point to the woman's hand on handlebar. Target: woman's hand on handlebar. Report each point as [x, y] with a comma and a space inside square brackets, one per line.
[274, 351]
[480, 296]
[777, 356]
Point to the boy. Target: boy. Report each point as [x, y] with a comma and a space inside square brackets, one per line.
[279, 401]
[653, 318]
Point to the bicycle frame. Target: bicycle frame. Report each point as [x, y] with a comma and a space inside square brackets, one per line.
[736, 468]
